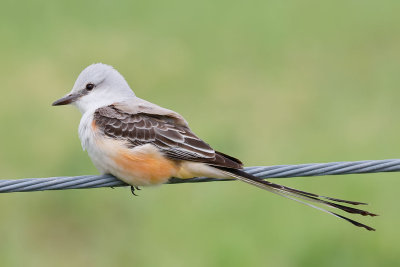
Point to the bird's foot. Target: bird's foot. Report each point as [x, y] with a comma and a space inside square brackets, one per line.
[133, 188]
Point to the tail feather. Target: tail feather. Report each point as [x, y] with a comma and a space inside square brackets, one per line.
[299, 196]
[324, 197]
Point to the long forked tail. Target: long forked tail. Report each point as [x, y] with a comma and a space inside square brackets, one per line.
[301, 196]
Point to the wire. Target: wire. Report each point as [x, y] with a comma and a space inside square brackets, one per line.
[264, 172]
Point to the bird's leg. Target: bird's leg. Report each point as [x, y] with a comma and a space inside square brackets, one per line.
[137, 188]
[133, 188]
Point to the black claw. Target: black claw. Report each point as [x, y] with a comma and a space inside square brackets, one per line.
[133, 190]
[137, 188]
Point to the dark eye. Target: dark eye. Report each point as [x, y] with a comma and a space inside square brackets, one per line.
[89, 86]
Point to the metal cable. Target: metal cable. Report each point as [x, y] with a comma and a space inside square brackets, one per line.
[278, 171]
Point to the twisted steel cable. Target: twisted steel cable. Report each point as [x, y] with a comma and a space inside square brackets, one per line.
[264, 172]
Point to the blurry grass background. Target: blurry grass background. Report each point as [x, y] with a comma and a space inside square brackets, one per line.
[270, 82]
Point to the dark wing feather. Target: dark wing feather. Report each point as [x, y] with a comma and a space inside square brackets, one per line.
[176, 141]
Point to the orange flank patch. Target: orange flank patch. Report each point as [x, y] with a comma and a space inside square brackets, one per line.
[94, 126]
[150, 166]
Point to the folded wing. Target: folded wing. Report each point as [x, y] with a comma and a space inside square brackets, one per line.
[174, 139]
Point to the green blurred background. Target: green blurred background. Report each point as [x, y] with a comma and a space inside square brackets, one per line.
[270, 82]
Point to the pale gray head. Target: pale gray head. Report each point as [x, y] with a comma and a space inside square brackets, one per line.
[98, 85]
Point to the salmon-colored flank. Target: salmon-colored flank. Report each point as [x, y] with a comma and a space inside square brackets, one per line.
[94, 126]
[149, 166]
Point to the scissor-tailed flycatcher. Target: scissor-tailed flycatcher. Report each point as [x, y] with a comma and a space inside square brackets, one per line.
[144, 144]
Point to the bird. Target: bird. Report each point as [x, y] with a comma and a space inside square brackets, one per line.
[144, 144]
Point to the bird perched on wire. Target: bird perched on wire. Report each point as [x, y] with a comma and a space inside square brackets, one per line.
[144, 144]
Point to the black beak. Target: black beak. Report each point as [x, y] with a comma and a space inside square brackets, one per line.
[66, 100]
